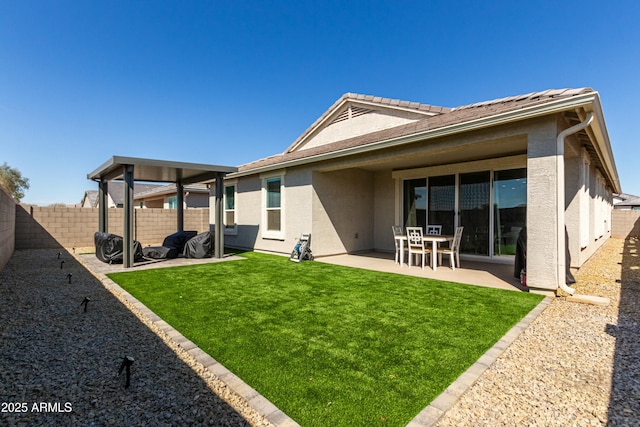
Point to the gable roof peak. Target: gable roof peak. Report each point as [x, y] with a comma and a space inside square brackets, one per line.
[370, 101]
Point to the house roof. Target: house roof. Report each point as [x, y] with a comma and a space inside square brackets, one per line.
[632, 201]
[92, 197]
[116, 190]
[170, 189]
[442, 121]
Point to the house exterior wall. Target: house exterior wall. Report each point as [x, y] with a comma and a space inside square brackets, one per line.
[384, 206]
[296, 210]
[542, 201]
[196, 200]
[7, 227]
[343, 206]
[588, 204]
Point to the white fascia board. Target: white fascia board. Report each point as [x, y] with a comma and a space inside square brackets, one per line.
[468, 126]
[604, 145]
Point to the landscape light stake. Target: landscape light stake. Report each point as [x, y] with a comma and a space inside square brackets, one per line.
[59, 253]
[126, 363]
[61, 264]
[85, 302]
[69, 276]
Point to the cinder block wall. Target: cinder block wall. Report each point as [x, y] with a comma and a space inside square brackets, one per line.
[625, 223]
[54, 227]
[7, 227]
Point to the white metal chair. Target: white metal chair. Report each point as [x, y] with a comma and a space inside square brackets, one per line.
[399, 243]
[453, 251]
[416, 244]
[434, 230]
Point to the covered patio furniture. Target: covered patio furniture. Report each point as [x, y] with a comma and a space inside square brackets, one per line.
[172, 246]
[416, 244]
[453, 251]
[109, 248]
[200, 246]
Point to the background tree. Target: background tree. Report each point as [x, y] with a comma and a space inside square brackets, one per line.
[12, 181]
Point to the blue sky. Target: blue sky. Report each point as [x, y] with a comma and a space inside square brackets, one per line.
[230, 82]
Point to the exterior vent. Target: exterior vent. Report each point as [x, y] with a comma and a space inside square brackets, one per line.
[351, 112]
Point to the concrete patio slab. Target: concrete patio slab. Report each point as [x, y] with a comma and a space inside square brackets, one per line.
[494, 275]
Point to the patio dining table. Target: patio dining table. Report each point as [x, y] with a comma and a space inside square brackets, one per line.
[433, 238]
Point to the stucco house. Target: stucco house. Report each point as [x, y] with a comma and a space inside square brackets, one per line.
[541, 161]
[115, 197]
[165, 197]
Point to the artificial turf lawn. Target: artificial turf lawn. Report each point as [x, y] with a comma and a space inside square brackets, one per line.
[331, 345]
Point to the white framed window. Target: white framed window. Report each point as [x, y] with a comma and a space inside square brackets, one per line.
[230, 219]
[272, 203]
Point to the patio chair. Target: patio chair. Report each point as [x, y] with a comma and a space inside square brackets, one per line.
[416, 245]
[434, 230]
[453, 251]
[399, 243]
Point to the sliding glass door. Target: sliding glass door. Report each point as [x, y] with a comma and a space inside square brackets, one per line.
[415, 203]
[490, 205]
[509, 209]
[473, 204]
[442, 202]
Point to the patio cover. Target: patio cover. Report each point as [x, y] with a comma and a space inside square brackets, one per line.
[131, 169]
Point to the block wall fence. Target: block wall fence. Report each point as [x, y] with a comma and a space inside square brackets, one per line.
[55, 227]
[7, 227]
[625, 224]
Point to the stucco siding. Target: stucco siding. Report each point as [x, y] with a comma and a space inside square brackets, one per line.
[360, 125]
[343, 211]
[542, 247]
[296, 203]
[384, 206]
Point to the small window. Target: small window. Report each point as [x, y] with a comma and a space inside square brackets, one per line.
[273, 216]
[273, 204]
[230, 207]
[173, 202]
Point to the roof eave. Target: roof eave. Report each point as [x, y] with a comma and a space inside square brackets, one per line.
[467, 126]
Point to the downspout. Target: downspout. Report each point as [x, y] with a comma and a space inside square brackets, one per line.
[562, 268]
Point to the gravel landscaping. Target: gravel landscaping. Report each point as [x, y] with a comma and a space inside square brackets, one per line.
[576, 364]
[59, 364]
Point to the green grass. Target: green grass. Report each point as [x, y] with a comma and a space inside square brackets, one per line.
[331, 345]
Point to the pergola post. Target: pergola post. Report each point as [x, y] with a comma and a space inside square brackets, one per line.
[128, 216]
[103, 213]
[218, 232]
[180, 205]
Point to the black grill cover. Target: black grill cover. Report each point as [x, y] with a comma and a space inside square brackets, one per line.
[178, 240]
[160, 252]
[200, 246]
[109, 248]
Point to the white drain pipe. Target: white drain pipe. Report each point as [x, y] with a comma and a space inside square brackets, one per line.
[562, 250]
